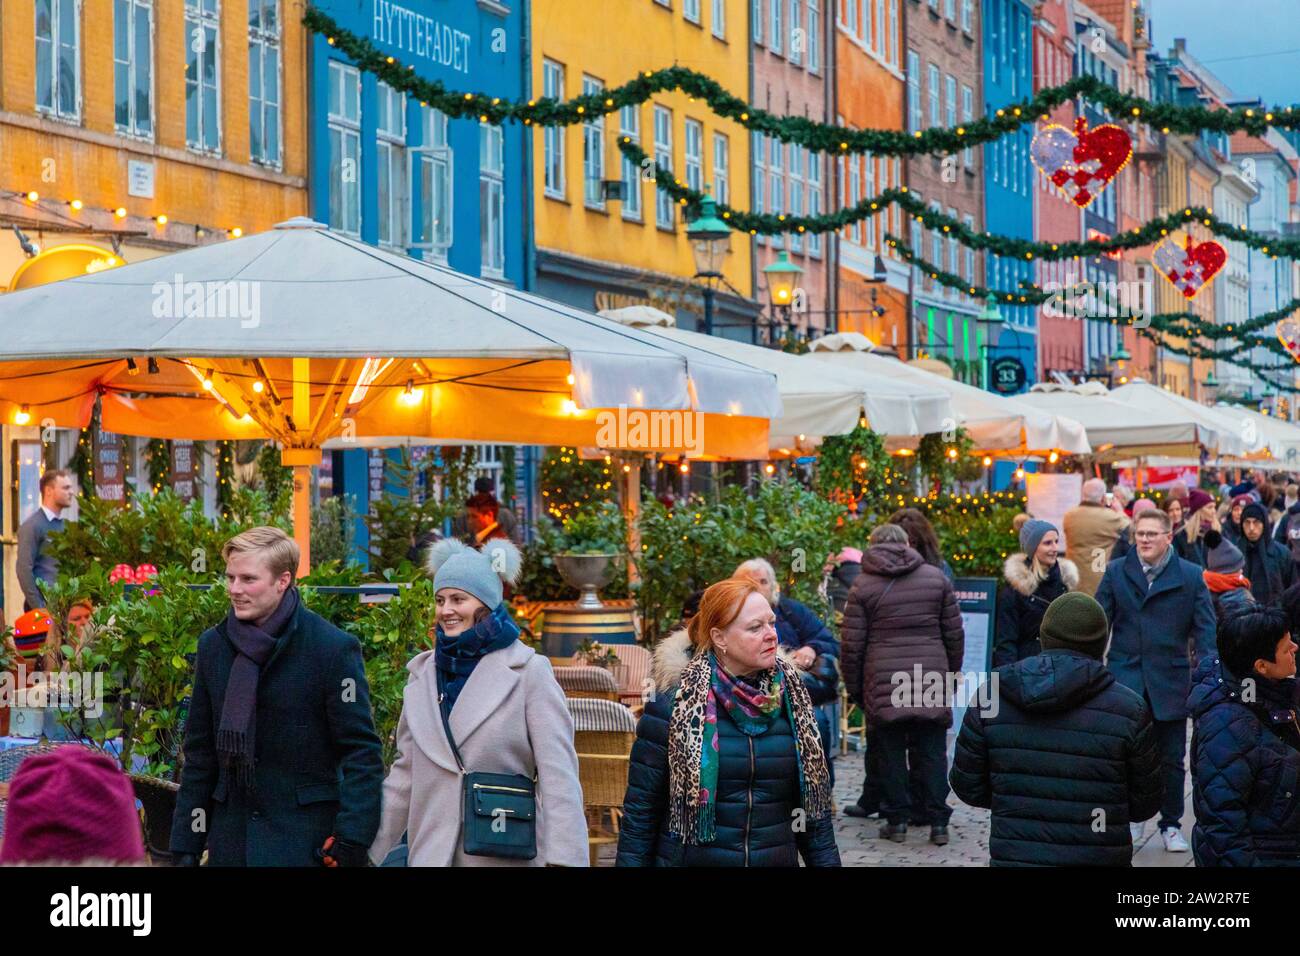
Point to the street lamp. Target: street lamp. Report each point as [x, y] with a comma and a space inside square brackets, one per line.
[710, 239]
[1211, 386]
[1117, 359]
[782, 281]
[989, 315]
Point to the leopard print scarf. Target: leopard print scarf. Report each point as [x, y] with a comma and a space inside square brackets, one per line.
[691, 809]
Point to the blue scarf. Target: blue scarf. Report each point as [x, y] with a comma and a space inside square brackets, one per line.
[456, 657]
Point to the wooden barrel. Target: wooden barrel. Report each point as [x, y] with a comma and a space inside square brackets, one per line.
[565, 626]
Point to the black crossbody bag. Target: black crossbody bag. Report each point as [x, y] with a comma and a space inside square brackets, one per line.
[500, 809]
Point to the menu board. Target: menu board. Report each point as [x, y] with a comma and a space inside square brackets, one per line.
[183, 471]
[110, 466]
[1049, 497]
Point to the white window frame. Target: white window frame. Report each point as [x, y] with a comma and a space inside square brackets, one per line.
[719, 21]
[553, 172]
[258, 107]
[593, 149]
[629, 126]
[878, 46]
[898, 181]
[796, 193]
[433, 233]
[776, 166]
[814, 180]
[348, 129]
[954, 266]
[854, 178]
[950, 100]
[934, 94]
[202, 19]
[936, 243]
[492, 201]
[691, 11]
[390, 155]
[869, 162]
[850, 16]
[891, 55]
[967, 15]
[721, 168]
[775, 24]
[57, 42]
[796, 25]
[967, 117]
[665, 208]
[693, 154]
[134, 126]
[950, 11]
[815, 36]
[756, 21]
[915, 113]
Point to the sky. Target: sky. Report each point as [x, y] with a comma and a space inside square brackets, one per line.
[1237, 40]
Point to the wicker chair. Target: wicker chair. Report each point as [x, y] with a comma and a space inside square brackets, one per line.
[593, 682]
[157, 803]
[601, 726]
[603, 731]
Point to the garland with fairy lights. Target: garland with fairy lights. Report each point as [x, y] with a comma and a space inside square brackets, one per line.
[817, 136]
[158, 459]
[225, 476]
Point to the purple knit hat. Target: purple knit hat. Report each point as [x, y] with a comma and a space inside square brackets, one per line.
[69, 805]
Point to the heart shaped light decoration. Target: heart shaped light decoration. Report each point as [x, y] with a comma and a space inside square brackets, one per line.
[1189, 267]
[1081, 164]
[1288, 331]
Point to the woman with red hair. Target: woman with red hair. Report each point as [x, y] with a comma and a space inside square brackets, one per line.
[727, 753]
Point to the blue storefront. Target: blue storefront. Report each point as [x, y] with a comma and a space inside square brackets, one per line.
[405, 177]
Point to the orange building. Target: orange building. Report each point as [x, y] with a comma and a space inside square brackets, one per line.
[869, 93]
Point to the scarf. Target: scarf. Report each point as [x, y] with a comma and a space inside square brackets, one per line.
[253, 645]
[1218, 582]
[456, 657]
[693, 755]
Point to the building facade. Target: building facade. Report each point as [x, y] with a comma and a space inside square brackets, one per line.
[791, 62]
[944, 89]
[869, 91]
[599, 252]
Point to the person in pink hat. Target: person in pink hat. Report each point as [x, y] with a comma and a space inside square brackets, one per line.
[71, 805]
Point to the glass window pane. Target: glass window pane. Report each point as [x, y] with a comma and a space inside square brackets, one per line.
[191, 113]
[336, 178]
[143, 66]
[121, 30]
[255, 71]
[121, 95]
[270, 16]
[336, 79]
[272, 134]
[271, 74]
[254, 14]
[385, 193]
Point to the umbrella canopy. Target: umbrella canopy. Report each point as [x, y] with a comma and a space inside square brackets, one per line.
[1133, 424]
[1225, 433]
[817, 401]
[1281, 438]
[995, 424]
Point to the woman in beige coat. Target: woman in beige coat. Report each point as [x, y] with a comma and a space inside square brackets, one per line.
[506, 713]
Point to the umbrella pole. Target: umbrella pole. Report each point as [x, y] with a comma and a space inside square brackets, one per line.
[301, 460]
[632, 514]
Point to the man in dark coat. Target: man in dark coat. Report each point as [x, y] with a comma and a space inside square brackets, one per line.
[902, 624]
[1246, 746]
[1160, 614]
[1068, 757]
[35, 567]
[282, 763]
[1268, 564]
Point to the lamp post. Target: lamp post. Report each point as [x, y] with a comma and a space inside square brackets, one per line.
[710, 240]
[1211, 386]
[990, 316]
[1118, 358]
[782, 282]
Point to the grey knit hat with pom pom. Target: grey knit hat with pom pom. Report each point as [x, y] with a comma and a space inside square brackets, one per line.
[453, 564]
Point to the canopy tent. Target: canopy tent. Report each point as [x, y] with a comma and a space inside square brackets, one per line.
[1281, 438]
[1137, 420]
[301, 335]
[817, 401]
[1226, 433]
[996, 425]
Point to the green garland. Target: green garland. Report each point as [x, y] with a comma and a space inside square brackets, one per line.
[82, 462]
[225, 476]
[820, 137]
[158, 457]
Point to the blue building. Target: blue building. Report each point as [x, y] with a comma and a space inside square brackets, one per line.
[403, 176]
[1008, 173]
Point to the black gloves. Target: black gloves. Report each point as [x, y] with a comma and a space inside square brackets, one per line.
[337, 852]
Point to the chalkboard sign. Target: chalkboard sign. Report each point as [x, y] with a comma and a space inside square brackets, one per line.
[110, 467]
[183, 469]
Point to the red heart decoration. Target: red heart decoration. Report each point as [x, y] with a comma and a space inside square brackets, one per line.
[1288, 331]
[1191, 267]
[1081, 164]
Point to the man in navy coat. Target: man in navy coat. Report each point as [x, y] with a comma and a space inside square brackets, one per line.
[1161, 616]
[282, 763]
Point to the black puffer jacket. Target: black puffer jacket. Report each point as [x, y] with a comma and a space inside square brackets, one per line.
[1022, 604]
[1066, 762]
[758, 790]
[1245, 771]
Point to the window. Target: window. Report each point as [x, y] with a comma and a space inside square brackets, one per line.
[721, 168]
[774, 34]
[796, 193]
[950, 101]
[133, 67]
[553, 136]
[629, 126]
[492, 199]
[967, 114]
[815, 36]
[264, 82]
[58, 58]
[917, 250]
[593, 149]
[967, 15]
[756, 21]
[759, 151]
[913, 91]
[814, 200]
[898, 181]
[879, 45]
[694, 148]
[936, 242]
[969, 273]
[855, 195]
[691, 10]
[433, 161]
[950, 10]
[663, 160]
[202, 79]
[720, 19]
[935, 119]
[850, 17]
[891, 52]
[776, 164]
[345, 148]
[390, 131]
[796, 28]
[870, 163]
[954, 256]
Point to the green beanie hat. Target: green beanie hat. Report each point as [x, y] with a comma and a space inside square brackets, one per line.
[1075, 622]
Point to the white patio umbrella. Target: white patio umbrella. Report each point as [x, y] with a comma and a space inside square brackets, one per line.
[1281, 438]
[301, 334]
[817, 401]
[995, 424]
[1224, 434]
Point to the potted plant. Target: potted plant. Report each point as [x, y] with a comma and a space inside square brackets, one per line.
[594, 654]
[587, 547]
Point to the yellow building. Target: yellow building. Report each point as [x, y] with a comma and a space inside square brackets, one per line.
[143, 126]
[597, 252]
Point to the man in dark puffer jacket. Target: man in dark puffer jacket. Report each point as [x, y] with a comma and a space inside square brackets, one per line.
[1069, 757]
[1246, 746]
[754, 822]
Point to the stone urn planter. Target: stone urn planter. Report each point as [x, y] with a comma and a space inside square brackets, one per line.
[588, 573]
